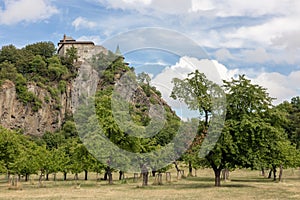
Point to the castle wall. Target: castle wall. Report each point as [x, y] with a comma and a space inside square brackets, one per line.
[85, 51]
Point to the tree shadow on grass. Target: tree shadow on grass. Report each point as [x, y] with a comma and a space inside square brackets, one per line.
[200, 179]
[253, 180]
[210, 185]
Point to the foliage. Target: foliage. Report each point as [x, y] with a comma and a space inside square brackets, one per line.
[43, 49]
[36, 64]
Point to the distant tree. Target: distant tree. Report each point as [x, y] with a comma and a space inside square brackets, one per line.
[72, 54]
[44, 49]
[8, 71]
[144, 78]
[38, 66]
[9, 53]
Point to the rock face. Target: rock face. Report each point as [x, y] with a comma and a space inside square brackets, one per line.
[15, 115]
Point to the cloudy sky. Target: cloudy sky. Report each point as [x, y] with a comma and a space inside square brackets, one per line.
[258, 38]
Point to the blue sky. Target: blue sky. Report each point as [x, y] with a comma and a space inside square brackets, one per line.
[258, 38]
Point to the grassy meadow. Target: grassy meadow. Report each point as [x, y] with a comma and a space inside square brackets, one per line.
[243, 185]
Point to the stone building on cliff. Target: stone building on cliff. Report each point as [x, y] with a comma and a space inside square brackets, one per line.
[85, 49]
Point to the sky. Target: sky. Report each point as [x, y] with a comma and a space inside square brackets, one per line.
[258, 38]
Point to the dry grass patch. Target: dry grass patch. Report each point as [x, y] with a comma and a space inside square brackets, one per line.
[243, 184]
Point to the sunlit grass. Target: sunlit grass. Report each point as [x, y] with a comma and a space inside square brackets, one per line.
[243, 184]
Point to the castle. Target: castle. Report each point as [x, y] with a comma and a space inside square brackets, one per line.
[85, 49]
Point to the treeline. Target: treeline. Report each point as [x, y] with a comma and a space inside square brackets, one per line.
[50, 154]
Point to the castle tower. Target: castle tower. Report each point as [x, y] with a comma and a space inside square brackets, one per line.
[118, 51]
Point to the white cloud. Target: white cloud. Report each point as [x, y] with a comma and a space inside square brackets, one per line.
[220, 8]
[279, 86]
[258, 55]
[265, 34]
[16, 11]
[288, 40]
[82, 23]
[226, 8]
[223, 54]
[95, 38]
[282, 87]
[203, 5]
[213, 70]
[270, 28]
[126, 4]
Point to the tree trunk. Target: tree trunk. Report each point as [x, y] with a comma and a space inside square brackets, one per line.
[280, 173]
[85, 175]
[47, 177]
[65, 176]
[190, 169]
[110, 179]
[176, 166]
[121, 175]
[153, 173]
[225, 174]
[41, 179]
[26, 177]
[263, 171]
[105, 175]
[109, 174]
[217, 177]
[274, 172]
[270, 173]
[76, 176]
[54, 177]
[145, 178]
[145, 174]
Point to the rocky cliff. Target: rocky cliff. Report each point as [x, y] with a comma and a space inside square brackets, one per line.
[15, 115]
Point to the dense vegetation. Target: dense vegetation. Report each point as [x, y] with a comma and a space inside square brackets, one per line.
[36, 63]
[257, 135]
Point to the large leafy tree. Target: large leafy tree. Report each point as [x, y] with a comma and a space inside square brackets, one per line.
[245, 128]
[243, 136]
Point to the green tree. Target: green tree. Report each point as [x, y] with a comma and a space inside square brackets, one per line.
[7, 71]
[10, 149]
[72, 54]
[241, 139]
[44, 49]
[38, 66]
[194, 92]
[9, 53]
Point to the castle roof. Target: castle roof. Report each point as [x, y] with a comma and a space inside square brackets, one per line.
[70, 40]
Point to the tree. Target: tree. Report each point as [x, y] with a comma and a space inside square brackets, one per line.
[194, 91]
[9, 53]
[72, 54]
[294, 116]
[44, 49]
[8, 71]
[38, 66]
[241, 139]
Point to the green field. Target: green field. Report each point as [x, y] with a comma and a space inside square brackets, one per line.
[243, 184]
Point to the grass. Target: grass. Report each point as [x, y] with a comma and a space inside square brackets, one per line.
[243, 184]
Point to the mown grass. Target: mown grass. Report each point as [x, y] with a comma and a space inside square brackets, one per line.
[243, 184]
